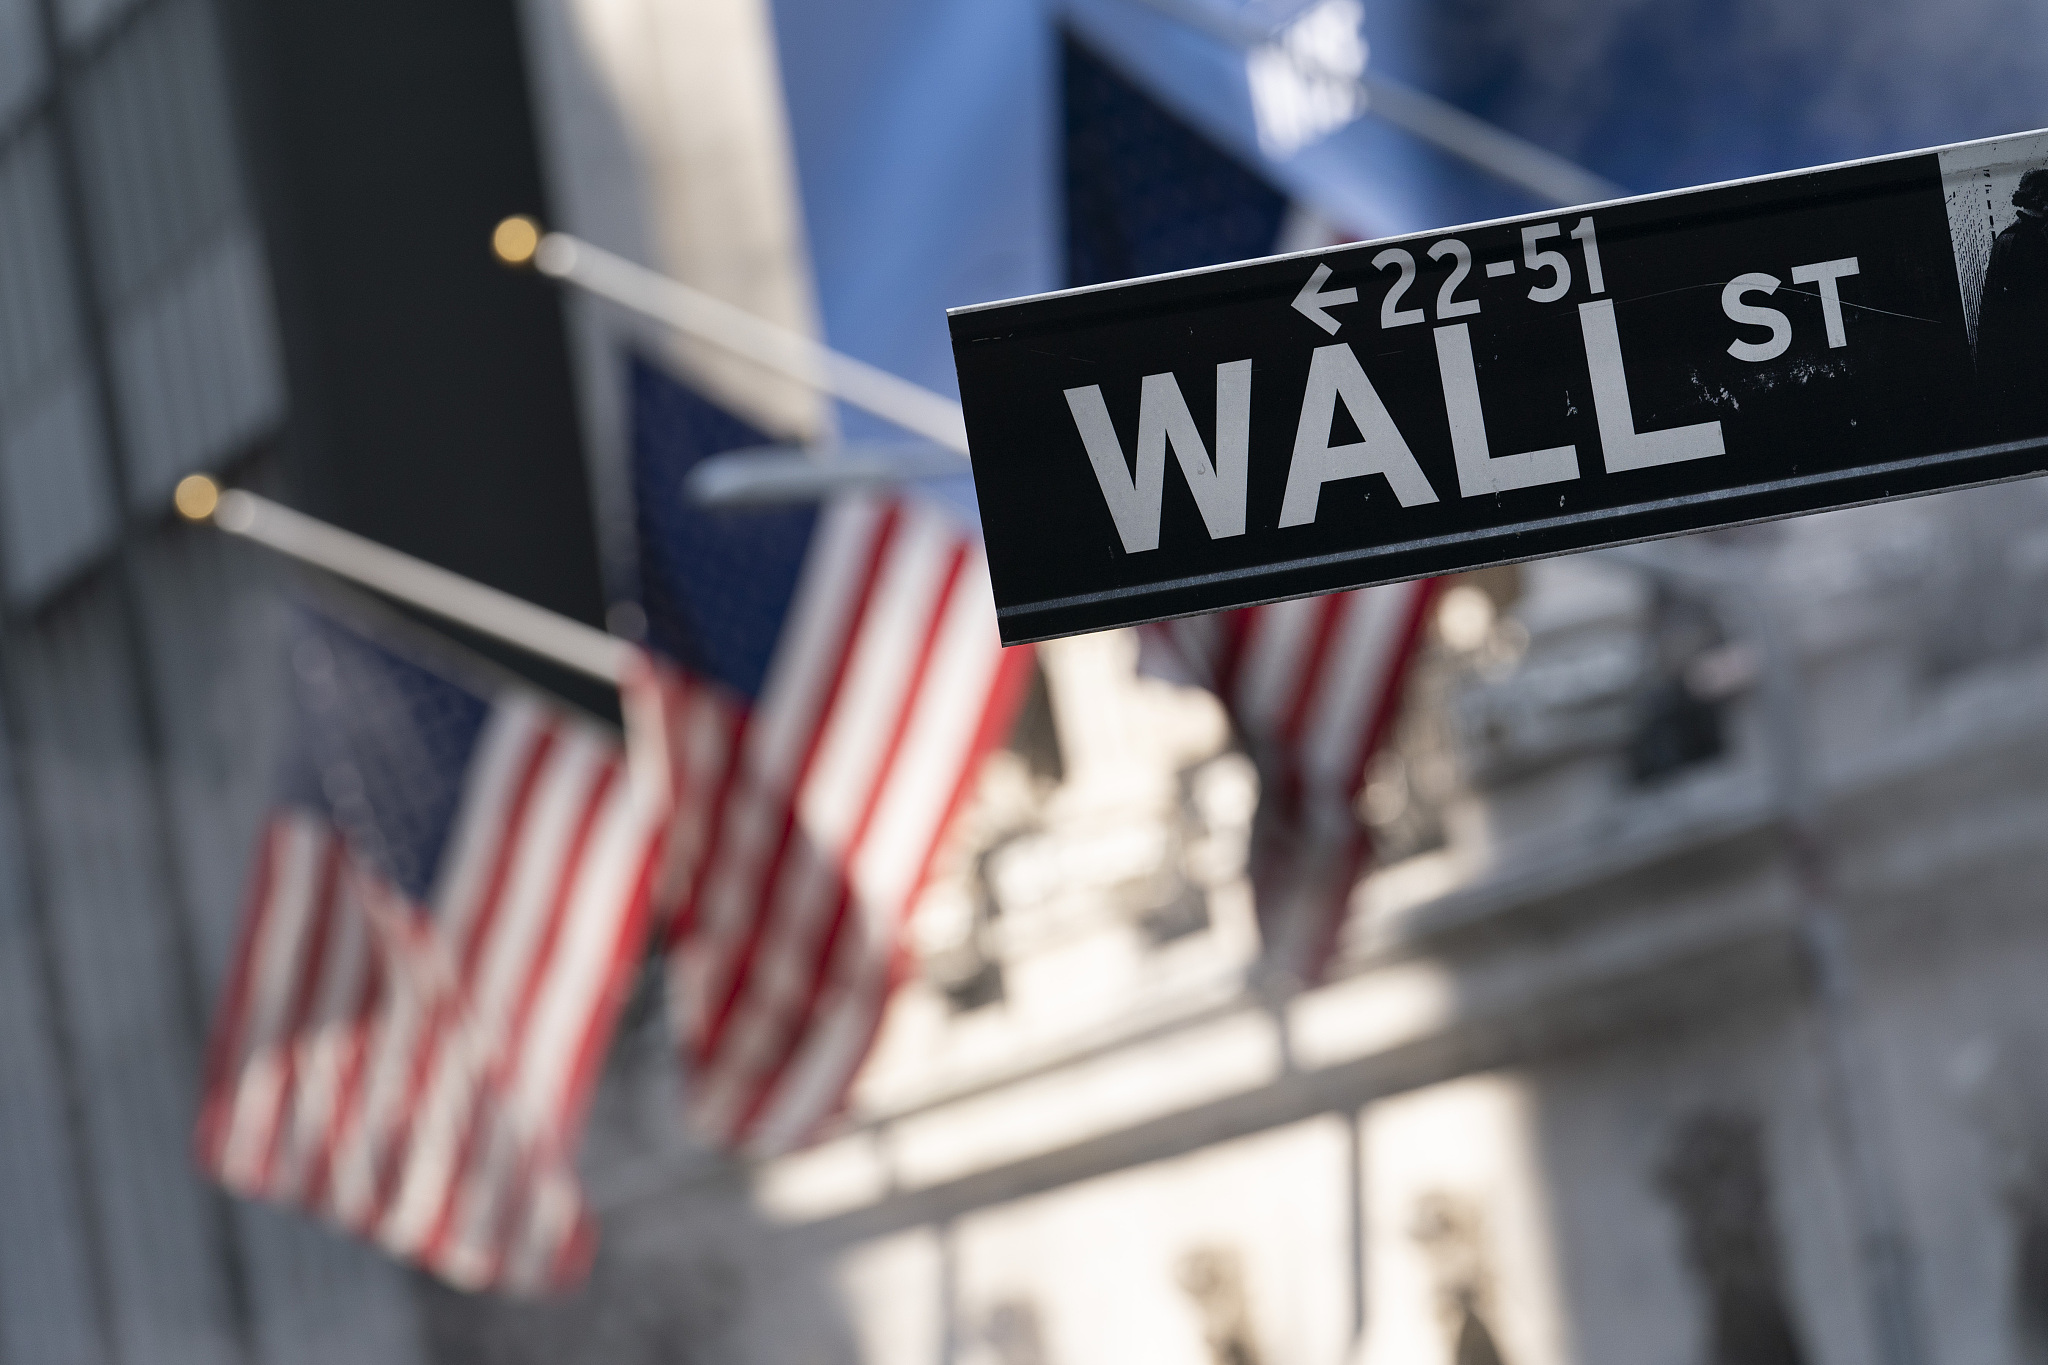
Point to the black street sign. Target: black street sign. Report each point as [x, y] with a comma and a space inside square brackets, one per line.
[1509, 390]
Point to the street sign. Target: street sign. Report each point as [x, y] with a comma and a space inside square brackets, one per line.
[1509, 390]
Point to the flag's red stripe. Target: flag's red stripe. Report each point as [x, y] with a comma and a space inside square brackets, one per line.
[514, 1208]
[1337, 901]
[795, 1026]
[675, 702]
[671, 698]
[574, 1100]
[396, 1150]
[356, 1127]
[573, 1259]
[999, 712]
[224, 1053]
[1309, 680]
[687, 918]
[513, 836]
[796, 1031]
[1387, 698]
[392, 1149]
[1236, 627]
[1395, 684]
[349, 1091]
[625, 959]
[312, 966]
[493, 1103]
[764, 903]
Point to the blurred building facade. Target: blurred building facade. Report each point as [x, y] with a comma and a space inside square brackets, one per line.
[141, 343]
[240, 239]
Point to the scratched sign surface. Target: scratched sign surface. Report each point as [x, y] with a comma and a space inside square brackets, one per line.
[1499, 392]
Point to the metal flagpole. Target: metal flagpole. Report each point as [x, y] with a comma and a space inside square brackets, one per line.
[756, 476]
[766, 474]
[450, 596]
[653, 295]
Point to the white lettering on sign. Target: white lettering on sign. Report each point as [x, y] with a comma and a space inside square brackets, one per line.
[1749, 315]
[1392, 314]
[1134, 490]
[1556, 262]
[1446, 305]
[1553, 261]
[1333, 374]
[1589, 242]
[1828, 274]
[1313, 299]
[1479, 470]
[1163, 418]
[1622, 447]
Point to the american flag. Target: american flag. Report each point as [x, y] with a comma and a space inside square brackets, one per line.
[833, 676]
[446, 904]
[1313, 686]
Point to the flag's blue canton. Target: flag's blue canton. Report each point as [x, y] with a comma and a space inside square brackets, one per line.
[715, 585]
[381, 746]
[1146, 193]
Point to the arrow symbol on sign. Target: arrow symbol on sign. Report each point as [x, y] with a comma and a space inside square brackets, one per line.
[1311, 301]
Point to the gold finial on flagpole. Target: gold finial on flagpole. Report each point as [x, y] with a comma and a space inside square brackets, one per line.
[515, 239]
[195, 497]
